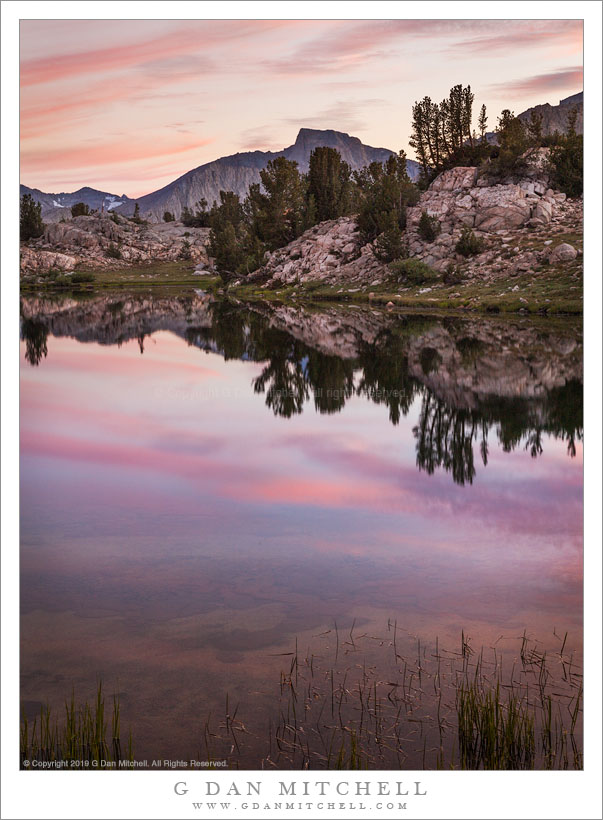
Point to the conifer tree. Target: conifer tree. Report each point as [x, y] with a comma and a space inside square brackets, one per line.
[482, 123]
[534, 127]
[30, 218]
[80, 209]
[328, 183]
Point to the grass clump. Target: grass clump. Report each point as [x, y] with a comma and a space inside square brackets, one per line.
[495, 731]
[469, 244]
[413, 272]
[428, 227]
[79, 741]
[82, 278]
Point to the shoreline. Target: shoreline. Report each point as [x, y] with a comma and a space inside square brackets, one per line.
[544, 295]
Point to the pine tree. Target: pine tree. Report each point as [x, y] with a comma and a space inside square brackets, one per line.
[278, 214]
[389, 245]
[572, 118]
[30, 218]
[420, 130]
[566, 160]
[467, 114]
[226, 238]
[136, 216]
[80, 209]
[534, 127]
[328, 183]
[511, 132]
[386, 190]
[482, 123]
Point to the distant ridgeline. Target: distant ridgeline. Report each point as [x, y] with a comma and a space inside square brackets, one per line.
[239, 171]
[554, 117]
[233, 173]
[58, 206]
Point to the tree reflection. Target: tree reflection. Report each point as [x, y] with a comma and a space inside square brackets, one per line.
[35, 335]
[384, 377]
[445, 439]
[454, 423]
[446, 436]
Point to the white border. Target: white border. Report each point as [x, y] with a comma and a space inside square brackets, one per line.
[450, 794]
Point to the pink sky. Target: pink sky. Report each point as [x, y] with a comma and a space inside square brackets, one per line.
[179, 469]
[129, 105]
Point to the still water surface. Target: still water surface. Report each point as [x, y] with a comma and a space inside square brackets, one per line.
[203, 484]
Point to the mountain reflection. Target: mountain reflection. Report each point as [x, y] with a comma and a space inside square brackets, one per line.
[517, 379]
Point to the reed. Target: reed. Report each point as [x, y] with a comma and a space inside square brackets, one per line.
[80, 740]
[369, 702]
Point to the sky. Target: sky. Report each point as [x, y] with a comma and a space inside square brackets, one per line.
[127, 106]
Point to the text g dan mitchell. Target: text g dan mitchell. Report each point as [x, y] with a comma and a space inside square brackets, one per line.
[307, 788]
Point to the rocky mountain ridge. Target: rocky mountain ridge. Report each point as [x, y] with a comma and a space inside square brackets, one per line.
[232, 173]
[554, 117]
[58, 206]
[502, 213]
[498, 212]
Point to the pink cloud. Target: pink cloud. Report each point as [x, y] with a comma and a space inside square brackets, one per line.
[564, 79]
[194, 36]
[338, 492]
[553, 34]
[106, 153]
[350, 44]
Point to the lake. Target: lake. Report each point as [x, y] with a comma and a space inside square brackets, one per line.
[276, 530]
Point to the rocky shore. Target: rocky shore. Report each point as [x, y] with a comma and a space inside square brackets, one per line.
[530, 236]
[101, 241]
[520, 222]
[462, 361]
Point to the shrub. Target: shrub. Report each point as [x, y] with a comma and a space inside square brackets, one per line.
[453, 275]
[114, 218]
[413, 271]
[566, 165]
[52, 273]
[429, 227]
[113, 252]
[390, 244]
[185, 251]
[80, 278]
[199, 219]
[80, 209]
[469, 244]
[168, 217]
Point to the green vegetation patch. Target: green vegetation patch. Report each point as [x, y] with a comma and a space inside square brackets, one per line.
[413, 272]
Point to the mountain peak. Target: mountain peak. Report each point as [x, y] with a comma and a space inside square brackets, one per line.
[305, 134]
[233, 173]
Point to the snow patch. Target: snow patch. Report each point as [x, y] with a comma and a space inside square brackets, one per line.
[57, 204]
[112, 205]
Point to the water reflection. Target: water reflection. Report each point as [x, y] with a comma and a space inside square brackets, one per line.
[517, 379]
[205, 483]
